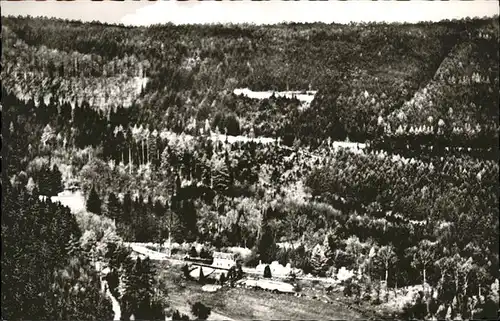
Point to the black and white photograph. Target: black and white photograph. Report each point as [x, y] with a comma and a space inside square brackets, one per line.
[250, 160]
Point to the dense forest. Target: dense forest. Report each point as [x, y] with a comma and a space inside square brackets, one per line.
[146, 120]
[370, 78]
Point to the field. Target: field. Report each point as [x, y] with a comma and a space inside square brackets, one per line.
[245, 304]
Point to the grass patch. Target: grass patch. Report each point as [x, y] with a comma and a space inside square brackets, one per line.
[241, 303]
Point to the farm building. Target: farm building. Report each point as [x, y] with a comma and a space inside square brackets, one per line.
[224, 260]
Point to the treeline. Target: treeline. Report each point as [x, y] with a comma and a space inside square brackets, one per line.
[421, 145]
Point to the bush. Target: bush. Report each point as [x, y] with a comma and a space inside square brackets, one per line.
[417, 310]
[205, 254]
[283, 256]
[297, 287]
[202, 276]
[488, 310]
[193, 252]
[378, 295]
[200, 311]
[300, 259]
[267, 272]
[177, 316]
[239, 273]
[367, 293]
[185, 271]
[352, 288]
[113, 281]
[332, 272]
[252, 260]
[231, 275]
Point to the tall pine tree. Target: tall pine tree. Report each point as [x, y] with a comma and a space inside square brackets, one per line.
[56, 181]
[113, 207]
[127, 208]
[94, 202]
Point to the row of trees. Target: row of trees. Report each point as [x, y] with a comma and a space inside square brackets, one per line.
[430, 145]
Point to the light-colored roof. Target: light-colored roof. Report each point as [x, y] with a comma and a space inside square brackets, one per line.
[223, 255]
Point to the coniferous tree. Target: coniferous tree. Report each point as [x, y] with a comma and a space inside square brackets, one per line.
[45, 182]
[153, 148]
[127, 208]
[159, 209]
[319, 261]
[113, 207]
[267, 272]
[201, 277]
[56, 180]
[94, 202]
[266, 246]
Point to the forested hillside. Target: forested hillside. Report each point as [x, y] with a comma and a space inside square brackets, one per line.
[146, 121]
[440, 75]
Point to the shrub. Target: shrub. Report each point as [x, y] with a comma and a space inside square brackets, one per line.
[252, 260]
[113, 281]
[300, 259]
[185, 271]
[200, 311]
[367, 293]
[177, 316]
[351, 288]
[332, 272]
[488, 310]
[193, 252]
[297, 287]
[205, 254]
[283, 256]
[239, 273]
[202, 276]
[378, 294]
[231, 275]
[415, 310]
[267, 272]
[433, 306]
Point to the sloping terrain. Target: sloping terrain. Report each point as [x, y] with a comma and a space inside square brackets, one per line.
[361, 72]
[173, 152]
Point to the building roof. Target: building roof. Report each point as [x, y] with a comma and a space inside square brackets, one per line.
[223, 256]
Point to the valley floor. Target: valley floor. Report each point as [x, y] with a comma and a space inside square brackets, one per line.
[245, 304]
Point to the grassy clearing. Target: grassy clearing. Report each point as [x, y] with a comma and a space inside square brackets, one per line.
[240, 303]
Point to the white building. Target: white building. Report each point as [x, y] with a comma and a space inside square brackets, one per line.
[224, 260]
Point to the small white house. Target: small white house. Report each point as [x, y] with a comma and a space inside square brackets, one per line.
[224, 260]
